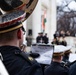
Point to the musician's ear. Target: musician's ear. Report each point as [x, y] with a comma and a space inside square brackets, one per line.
[19, 34]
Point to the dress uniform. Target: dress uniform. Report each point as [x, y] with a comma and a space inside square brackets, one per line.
[17, 63]
[56, 68]
[46, 39]
[13, 13]
[72, 70]
[40, 38]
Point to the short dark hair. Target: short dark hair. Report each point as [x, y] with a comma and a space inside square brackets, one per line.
[56, 57]
[8, 36]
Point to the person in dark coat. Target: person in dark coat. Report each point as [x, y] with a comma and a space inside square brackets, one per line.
[11, 37]
[40, 38]
[46, 39]
[16, 61]
[56, 68]
[72, 70]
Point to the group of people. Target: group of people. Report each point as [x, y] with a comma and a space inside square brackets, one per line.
[59, 38]
[42, 38]
[61, 65]
[15, 60]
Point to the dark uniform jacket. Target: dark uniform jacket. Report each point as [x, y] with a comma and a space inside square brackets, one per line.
[40, 39]
[72, 70]
[45, 40]
[17, 63]
[56, 69]
[66, 60]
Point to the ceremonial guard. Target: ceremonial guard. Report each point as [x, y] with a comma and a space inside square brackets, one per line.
[56, 68]
[13, 13]
[46, 39]
[40, 38]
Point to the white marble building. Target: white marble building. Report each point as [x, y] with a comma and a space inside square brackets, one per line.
[34, 23]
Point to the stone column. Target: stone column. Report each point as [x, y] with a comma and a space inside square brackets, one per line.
[52, 19]
[36, 21]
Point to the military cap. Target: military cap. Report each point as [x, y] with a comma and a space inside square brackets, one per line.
[14, 12]
[68, 49]
[59, 50]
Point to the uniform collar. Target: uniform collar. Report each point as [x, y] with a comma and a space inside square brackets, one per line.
[9, 49]
[53, 62]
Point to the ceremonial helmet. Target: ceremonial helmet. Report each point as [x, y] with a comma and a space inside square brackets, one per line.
[14, 12]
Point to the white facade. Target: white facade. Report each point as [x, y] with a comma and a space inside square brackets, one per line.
[34, 22]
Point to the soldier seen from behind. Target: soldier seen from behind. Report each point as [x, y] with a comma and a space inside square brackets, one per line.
[56, 68]
[11, 37]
